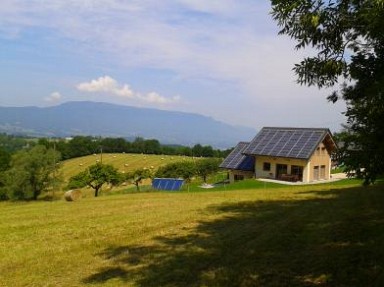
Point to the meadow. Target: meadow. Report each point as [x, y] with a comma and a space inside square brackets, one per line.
[124, 162]
[251, 234]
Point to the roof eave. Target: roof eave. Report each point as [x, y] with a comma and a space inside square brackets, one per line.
[268, 155]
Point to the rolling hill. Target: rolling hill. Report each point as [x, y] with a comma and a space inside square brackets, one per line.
[109, 120]
[123, 162]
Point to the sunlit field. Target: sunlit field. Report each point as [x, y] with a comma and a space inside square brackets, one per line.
[124, 162]
[320, 235]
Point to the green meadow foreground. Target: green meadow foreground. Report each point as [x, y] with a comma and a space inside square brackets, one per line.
[320, 235]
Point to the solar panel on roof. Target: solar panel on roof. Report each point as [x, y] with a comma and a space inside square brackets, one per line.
[237, 160]
[284, 142]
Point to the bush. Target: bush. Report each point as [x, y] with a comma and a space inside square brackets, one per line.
[185, 170]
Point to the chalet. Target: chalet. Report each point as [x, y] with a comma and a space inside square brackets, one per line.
[290, 154]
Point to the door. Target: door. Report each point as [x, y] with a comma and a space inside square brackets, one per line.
[322, 172]
[297, 170]
[281, 169]
[316, 173]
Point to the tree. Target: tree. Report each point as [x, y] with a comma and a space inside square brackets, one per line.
[82, 145]
[31, 173]
[12, 143]
[95, 177]
[197, 150]
[349, 38]
[138, 175]
[339, 155]
[118, 145]
[207, 166]
[185, 170]
[5, 159]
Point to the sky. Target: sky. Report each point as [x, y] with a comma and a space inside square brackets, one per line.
[219, 58]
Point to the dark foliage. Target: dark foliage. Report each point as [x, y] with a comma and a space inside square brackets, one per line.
[86, 145]
[30, 173]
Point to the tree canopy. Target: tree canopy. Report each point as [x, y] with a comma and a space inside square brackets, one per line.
[95, 177]
[86, 145]
[206, 167]
[5, 159]
[137, 176]
[183, 169]
[189, 169]
[349, 39]
[31, 172]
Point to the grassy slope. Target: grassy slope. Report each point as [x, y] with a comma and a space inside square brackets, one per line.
[123, 162]
[324, 235]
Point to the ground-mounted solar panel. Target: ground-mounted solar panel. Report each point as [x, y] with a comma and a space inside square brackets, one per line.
[171, 184]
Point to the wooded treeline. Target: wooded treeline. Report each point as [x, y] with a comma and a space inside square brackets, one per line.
[86, 145]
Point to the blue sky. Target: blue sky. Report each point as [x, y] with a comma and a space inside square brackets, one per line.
[220, 58]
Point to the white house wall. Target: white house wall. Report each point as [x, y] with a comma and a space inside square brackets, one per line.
[245, 174]
[320, 158]
[259, 163]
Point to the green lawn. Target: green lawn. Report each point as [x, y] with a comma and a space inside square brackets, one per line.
[320, 235]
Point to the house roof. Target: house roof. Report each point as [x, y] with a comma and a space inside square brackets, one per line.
[237, 160]
[289, 142]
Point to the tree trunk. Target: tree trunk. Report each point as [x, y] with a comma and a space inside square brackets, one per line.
[35, 194]
[97, 191]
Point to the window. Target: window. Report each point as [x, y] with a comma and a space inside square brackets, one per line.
[239, 177]
[266, 166]
[323, 151]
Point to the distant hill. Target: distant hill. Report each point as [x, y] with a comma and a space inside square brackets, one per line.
[109, 120]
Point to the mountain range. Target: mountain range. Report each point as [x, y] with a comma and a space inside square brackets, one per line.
[110, 120]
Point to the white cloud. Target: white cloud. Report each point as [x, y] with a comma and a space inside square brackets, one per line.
[53, 97]
[155, 98]
[108, 85]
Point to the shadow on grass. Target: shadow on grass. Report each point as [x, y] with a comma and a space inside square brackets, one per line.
[336, 239]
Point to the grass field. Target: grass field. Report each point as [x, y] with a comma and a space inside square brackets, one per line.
[124, 162]
[323, 235]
